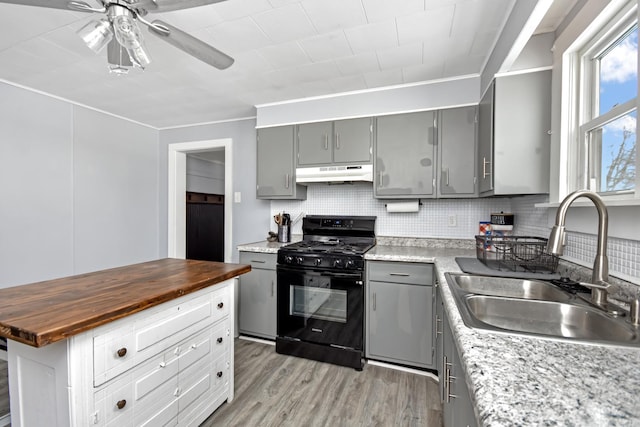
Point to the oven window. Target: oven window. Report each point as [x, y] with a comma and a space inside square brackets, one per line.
[319, 303]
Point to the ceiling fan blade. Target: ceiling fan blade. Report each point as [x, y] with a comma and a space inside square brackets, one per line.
[191, 45]
[169, 5]
[55, 4]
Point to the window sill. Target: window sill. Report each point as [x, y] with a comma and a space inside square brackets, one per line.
[587, 203]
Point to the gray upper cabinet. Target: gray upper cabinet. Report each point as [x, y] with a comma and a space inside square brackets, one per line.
[457, 152]
[485, 141]
[514, 141]
[404, 162]
[276, 165]
[340, 142]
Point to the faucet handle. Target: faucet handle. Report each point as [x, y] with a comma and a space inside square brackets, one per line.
[602, 285]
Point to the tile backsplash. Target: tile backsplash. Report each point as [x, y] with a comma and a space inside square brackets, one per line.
[432, 221]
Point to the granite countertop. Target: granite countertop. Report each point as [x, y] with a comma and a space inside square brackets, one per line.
[528, 381]
[43, 313]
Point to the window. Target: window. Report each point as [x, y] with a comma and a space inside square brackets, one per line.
[607, 100]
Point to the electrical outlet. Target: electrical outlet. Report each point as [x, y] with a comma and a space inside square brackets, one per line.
[452, 221]
[237, 197]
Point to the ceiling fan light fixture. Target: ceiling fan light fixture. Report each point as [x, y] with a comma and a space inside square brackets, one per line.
[96, 34]
[130, 37]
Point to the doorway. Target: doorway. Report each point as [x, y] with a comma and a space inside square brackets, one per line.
[177, 213]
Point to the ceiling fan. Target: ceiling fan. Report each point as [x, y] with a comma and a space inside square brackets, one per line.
[120, 32]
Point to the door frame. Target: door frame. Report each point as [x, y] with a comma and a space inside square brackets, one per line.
[177, 189]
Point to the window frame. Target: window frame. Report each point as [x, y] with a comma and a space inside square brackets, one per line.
[586, 101]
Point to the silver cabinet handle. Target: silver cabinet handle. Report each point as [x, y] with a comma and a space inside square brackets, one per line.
[484, 167]
[449, 377]
[374, 301]
[337, 141]
[326, 141]
[257, 261]
[273, 291]
[400, 274]
[380, 179]
[438, 321]
[447, 180]
[286, 180]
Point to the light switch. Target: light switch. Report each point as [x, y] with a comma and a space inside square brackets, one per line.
[237, 197]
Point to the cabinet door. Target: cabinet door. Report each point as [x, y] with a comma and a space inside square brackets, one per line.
[485, 141]
[457, 142]
[521, 133]
[353, 141]
[400, 323]
[275, 163]
[404, 164]
[457, 408]
[257, 305]
[315, 144]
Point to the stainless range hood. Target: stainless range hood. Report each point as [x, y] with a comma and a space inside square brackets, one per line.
[335, 174]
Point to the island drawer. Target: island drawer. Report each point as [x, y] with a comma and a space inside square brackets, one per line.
[126, 343]
[160, 388]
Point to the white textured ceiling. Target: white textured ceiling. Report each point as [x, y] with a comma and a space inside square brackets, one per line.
[283, 49]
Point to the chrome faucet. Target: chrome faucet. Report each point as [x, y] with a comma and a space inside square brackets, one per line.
[557, 240]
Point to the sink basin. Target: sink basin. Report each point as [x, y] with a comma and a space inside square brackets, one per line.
[535, 307]
[549, 318]
[509, 287]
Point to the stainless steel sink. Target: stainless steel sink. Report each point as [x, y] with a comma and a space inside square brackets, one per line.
[549, 318]
[510, 287]
[533, 307]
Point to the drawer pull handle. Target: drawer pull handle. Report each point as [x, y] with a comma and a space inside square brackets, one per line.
[194, 346]
[121, 404]
[122, 352]
[219, 374]
[399, 274]
[220, 304]
[176, 393]
[219, 340]
[163, 364]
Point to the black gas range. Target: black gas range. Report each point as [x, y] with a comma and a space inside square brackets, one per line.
[321, 290]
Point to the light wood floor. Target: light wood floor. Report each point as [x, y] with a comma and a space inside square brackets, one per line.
[276, 390]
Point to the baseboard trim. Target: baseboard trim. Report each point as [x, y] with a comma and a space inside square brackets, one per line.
[258, 340]
[5, 420]
[402, 368]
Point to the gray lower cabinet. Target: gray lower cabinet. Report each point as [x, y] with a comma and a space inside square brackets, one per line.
[457, 408]
[276, 177]
[404, 161]
[457, 153]
[399, 313]
[339, 142]
[513, 135]
[257, 296]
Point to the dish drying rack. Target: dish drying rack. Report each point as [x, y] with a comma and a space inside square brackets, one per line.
[516, 253]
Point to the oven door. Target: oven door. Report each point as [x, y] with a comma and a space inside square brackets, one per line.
[321, 307]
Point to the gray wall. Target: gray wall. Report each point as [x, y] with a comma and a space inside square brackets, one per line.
[78, 189]
[204, 176]
[251, 216]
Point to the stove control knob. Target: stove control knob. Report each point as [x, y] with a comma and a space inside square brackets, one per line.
[288, 259]
[337, 263]
[299, 260]
[317, 261]
[350, 264]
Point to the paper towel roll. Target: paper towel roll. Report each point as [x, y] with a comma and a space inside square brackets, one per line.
[410, 206]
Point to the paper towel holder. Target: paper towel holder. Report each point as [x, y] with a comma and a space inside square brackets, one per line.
[419, 203]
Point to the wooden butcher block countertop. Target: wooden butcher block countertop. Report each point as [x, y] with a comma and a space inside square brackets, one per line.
[42, 313]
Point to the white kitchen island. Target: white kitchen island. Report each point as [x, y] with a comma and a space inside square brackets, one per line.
[162, 354]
